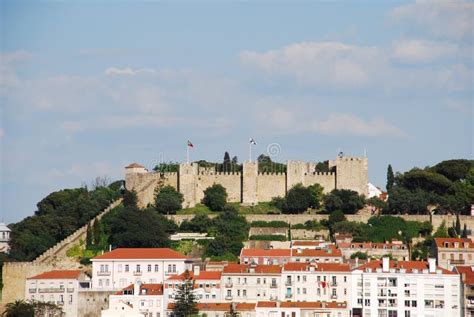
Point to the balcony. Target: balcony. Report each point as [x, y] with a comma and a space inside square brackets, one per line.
[288, 283]
[457, 262]
[228, 297]
[273, 286]
[228, 284]
[70, 290]
[103, 273]
[170, 273]
[334, 296]
[137, 273]
[51, 290]
[288, 295]
[333, 283]
[32, 290]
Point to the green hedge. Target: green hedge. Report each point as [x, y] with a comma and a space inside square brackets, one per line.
[269, 224]
[268, 237]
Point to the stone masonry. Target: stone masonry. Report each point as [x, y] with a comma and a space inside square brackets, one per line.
[248, 187]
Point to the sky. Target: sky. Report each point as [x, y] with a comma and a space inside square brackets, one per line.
[89, 87]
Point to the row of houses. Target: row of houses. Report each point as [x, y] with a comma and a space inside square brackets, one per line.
[309, 279]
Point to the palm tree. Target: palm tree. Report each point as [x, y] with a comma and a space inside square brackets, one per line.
[19, 308]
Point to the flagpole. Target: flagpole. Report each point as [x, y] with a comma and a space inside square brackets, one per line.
[250, 151]
[187, 153]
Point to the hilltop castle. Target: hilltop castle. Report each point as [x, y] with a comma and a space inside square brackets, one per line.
[249, 186]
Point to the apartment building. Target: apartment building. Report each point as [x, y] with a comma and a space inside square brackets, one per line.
[467, 288]
[59, 287]
[137, 300]
[251, 283]
[207, 285]
[302, 309]
[312, 244]
[265, 256]
[397, 249]
[124, 266]
[451, 252]
[405, 288]
[316, 281]
[330, 254]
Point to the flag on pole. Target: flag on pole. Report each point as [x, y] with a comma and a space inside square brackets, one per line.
[252, 141]
[190, 144]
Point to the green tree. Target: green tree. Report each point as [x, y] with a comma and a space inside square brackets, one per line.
[298, 199]
[442, 231]
[96, 232]
[348, 201]
[232, 312]
[89, 238]
[168, 200]
[464, 232]
[226, 164]
[215, 197]
[458, 225]
[378, 203]
[131, 229]
[19, 308]
[322, 167]
[316, 197]
[185, 300]
[335, 217]
[390, 177]
[454, 170]
[360, 255]
[404, 201]
[167, 167]
[130, 199]
[199, 223]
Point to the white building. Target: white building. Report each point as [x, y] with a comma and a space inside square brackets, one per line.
[4, 238]
[207, 285]
[58, 287]
[330, 254]
[250, 283]
[124, 266]
[451, 252]
[405, 288]
[302, 309]
[316, 281]
[137, 300]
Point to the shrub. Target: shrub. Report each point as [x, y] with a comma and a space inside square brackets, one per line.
[269, 224]
[215, 197]
[268, 237]
[168, 200]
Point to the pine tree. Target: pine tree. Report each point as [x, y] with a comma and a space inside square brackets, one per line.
[185, 299]
[232, 312]
[458, 225]
[96, 232]
[88, 236]
[390, 177]
[464, 231]
[227, 163]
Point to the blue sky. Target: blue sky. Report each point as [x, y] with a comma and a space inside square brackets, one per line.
[88, 87]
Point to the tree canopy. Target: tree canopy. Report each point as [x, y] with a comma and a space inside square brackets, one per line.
[345, 200]
[168, 200]
[215, 197]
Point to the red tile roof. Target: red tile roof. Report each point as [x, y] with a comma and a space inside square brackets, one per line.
[308, 243]
[141, 253]
[267, 304]
[331, 252]
[319, 267]
[203, 275]
[409, 266]
[371, 245]
[440, 242]
[467, 274]
[135, 165]
[58, 274]
[313, 304]
[219, 306]
[151, 289]
[246, 268]
[265, 252]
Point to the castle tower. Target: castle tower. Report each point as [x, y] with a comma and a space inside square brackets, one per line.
[295, 173]
[187, 183]
[249, 183]
[352, 173]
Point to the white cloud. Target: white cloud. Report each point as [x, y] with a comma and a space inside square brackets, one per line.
[445, 19]
[113, 71]
[321, 63]
[422, 51]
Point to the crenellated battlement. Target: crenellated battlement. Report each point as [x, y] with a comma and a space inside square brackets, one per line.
[248, 186]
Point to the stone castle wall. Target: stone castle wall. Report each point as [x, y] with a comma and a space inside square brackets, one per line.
[249, 186]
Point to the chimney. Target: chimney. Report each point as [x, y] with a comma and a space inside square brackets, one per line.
[432, 265]
[136, 287]
[385, 264]
[196, 270]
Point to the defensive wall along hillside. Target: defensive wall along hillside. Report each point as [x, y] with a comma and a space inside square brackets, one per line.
[15, 273]
[249, 186]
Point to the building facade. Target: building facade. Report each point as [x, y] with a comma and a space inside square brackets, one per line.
[397, 249]
[451, 252]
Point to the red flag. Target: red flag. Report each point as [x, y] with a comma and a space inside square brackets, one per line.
[190, 144]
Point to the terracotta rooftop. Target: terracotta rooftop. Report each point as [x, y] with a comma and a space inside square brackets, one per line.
[258, 269]
[331, 252]
[265, 252]
[151, 289]
[441, 242]
[409, 266]
[318, 267]
[141, 253]
[59, 274]
[371, 245]
[308, 243]
[313, 304]
[219, 306]
[203, 275]
[467, 274]
[134, 165]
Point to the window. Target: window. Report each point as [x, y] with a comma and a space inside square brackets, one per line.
[149, 268]
[392, 313]
[156, 267]
[174, 268]
[258, 281]
[407, 303]
[407, 313]
[244, 293]
[345, 279]
[126, 268]
[70, 299]
[367, 302]
[304, 278]
[413, 303]
[138, 267]
[429, 303]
